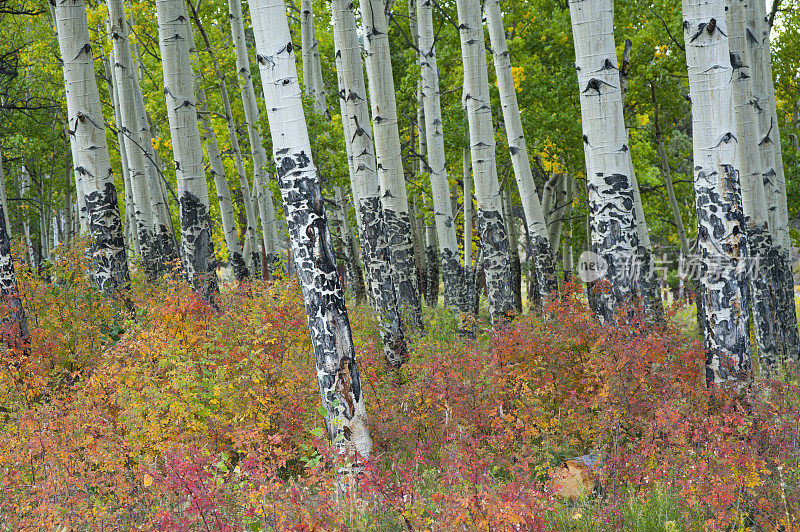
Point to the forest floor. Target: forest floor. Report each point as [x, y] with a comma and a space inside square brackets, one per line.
[183, 417]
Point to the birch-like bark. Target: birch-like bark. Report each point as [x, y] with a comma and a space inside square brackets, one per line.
[390, 164]
[24, 185]
[452, 274]
[364, 181]
[469, 269]
[229, 230]
[253, 257]
[133, 142]
[166, 243]
[14, 325]
[772, 171]
[86, 126]
[312, 66]
[543, 248]
[494, 240]
[513, 252]
[349, 246]
[608, 164]
[261, 177]
[197, 248]
[722, 242]
[764, 258]
[331, 338]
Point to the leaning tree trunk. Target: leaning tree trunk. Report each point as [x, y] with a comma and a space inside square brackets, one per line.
[14, 322]
[196, 226]
[331, 337]
[262, 192]
[390, 165]
[312, 66]
[605, 140]
[452, 274]
[543, 249]
[364, 181]
[133, 142]
[87, 130]
[763, 256]
[494, 240]
[253, 257]
[722, 241]
[772, 171]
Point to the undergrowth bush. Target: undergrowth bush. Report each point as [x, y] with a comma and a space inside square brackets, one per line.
[181, 417]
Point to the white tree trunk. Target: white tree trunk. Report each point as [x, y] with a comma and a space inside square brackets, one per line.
[452, 274]
[128, 124]
[722, 241]
[364, 181]
[772, 171]
[261, 190]
[87, 130]
[394, 198]
[196, 226]
[4, 197]
[331, 338]
[608, 163]
[14, 326]
[24, 185]
[543, 250]
[763, 288]
[469, 269]
[252, 257]
[491, 226]
[312, 66]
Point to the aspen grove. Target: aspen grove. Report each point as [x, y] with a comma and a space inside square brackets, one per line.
[428, 265]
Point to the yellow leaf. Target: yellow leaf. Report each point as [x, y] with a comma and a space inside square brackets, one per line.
[148, 481]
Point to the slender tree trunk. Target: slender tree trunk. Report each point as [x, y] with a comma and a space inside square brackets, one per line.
[772, 171]
[543, 249]
[364, 181]
[764, 258]
[312, 66]
[353, 267]
[24, 185]
[4, 197]
[452, 274]
[469, 269]
[432, 265]
[390, 166]
[86, 125]
[261, 190]
[513, 252]
[133, 142]
[14, 323]
[253, 257]
[608, 163]
[418, 240]
[722, 241]
[494, 240]
[331, 339]
[196, 226]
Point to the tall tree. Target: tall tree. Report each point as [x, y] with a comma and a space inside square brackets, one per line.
[390, 166]
[87, 133]
[312, 67]
[331, 338]
[605, 139]
[196, 226]
[364, 181]
[452, 274]
[14, 324]
[261, 190]
[720, 221]
[494, 240]
[543, 249]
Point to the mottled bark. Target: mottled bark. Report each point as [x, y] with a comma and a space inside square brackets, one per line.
[452, 274]
[197, 249]
[331, 338]
[389, 162]
[468, 296]
[13, 320]
[544, 263]
[354, 271]
[609, 170]
[722, 242]
[364, 180]
[513, 251]
[494, 240]
[87, 133]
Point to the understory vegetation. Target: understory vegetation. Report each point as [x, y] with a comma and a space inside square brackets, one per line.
[179, 416]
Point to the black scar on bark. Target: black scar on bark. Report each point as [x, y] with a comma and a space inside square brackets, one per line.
[545, 271]
[497, 266]
[196, 228]
[240, 271]
[453, 279]
[764, 296]
[401, 248]
[108, 244]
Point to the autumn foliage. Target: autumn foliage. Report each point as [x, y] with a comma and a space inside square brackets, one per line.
[185, 417]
